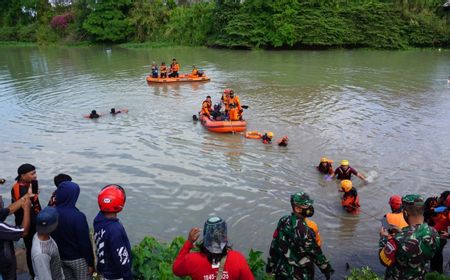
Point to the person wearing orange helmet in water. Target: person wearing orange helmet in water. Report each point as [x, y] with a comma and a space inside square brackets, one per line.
[345, 172]
[113, 247]
[267, 138]
[325, 166]
[350, 199]
[207, 107]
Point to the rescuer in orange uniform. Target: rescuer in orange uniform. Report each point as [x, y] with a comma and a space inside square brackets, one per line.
[207, 107]
[174, 68]
[350, 199]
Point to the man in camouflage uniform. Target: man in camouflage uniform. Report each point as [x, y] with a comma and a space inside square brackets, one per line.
[407, 253]
[294, 249]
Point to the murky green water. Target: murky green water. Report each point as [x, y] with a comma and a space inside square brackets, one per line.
[387, 112]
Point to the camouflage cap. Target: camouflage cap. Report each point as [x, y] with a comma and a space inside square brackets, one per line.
[412, 200]
[301, 199]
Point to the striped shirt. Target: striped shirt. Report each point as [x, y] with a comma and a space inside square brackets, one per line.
[46, 260]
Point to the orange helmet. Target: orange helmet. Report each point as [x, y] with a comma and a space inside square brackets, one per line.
[111, 199]
[346, 185]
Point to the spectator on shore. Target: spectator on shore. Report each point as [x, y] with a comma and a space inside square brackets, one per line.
[113, 247]
[25, 180]
[215, 260]
[72, 234]
[45, 255]
[58, 179]
[8, 234]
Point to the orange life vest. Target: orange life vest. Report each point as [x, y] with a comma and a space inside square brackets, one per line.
[350, 202]
[312, 225]
[396, 219]
[18, 190]
[175, 67]
[163, 69]
[206, 108]
[234, 114]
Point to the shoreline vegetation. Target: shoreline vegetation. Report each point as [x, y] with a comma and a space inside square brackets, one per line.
[153, 259]
[231, 24]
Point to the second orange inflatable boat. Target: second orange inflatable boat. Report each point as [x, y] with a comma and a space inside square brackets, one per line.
[181, 78]
[223, 126]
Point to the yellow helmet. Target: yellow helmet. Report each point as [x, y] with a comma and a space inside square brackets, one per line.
[270, 134]
[346, 185]
[344, 162]
[323, 159]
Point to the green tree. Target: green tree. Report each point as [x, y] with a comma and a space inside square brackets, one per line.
[149, 19]
[107, 21]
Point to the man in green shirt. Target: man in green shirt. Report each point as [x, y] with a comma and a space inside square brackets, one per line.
[406, 253]
[294, 249]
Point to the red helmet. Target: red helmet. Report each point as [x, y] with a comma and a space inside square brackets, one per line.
[228, 91]
[111, 199]
[395, 202]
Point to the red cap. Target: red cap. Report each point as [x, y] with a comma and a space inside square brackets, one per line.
[111, 199]
[395, 201]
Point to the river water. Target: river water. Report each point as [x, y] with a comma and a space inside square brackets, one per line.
[387, 112]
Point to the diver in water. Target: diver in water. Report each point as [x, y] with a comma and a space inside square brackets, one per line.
[94, 115]
[114, 112]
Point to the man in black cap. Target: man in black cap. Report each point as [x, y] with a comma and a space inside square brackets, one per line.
[58, 179]
[45, 255]
[26, 177]
[9, 233]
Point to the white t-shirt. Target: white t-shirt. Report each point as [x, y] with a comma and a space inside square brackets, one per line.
[46, 260]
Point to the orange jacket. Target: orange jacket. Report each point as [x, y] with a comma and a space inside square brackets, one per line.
[350, 201]
[163, 69]
[206, 108]
[234, 114]
[312, 225]
[175, 67]
[396, 219]
[235, 102]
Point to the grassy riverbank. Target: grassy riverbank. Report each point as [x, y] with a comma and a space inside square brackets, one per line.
[287, 24]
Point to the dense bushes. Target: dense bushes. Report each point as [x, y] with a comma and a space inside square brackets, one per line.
[232, 23]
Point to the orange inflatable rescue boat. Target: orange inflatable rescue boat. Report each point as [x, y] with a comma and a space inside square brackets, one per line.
[223, 126]
[182, 78]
